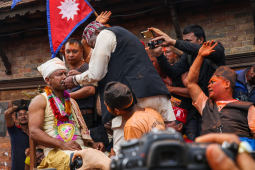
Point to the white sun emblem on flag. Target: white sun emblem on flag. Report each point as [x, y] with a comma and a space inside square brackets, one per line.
[69, 8]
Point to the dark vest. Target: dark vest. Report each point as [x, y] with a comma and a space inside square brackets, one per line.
[130, 65]
[233, 117]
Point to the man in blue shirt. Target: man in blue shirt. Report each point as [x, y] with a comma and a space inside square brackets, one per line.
[245, 85]
[19, 136]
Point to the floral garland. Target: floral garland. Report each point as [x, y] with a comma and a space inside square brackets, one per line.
[65, 112]
[62, 114]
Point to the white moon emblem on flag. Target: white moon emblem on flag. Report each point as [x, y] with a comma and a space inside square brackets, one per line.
[69, 8]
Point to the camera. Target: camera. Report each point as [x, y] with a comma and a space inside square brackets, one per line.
[160, 150]
[152, 44]
[76, 164]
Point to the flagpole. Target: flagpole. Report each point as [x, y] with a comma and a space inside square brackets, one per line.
[96, 14]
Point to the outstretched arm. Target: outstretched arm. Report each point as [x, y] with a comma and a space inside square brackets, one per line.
[104, 17]
[192, 79]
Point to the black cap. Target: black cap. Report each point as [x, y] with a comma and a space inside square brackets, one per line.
[117, 95]
[227, 73]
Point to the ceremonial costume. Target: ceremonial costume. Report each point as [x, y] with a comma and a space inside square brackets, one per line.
[62, 120]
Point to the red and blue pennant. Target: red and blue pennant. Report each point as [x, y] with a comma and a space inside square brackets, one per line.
[63, 17]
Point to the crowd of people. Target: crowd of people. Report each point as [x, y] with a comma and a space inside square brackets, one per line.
[116, 89]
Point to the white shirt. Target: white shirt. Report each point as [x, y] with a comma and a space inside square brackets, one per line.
[98, 66]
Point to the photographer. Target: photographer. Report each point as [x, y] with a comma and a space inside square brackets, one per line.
[216, 158]
[193, 39]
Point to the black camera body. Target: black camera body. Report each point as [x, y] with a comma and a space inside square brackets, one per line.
[161, 150]
[76, 164]
[152, 44]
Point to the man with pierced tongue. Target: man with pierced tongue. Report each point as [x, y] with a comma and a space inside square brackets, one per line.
[220, 112]
[55, 120]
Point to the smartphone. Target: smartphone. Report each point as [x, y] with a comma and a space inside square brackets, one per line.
[147, 34]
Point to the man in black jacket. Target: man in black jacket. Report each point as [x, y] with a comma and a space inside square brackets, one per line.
[193, 39]
[119, 55]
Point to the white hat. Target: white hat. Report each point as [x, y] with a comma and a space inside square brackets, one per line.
[50, 66]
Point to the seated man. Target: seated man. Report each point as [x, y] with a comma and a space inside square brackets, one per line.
[180, 123]
[55, 119]
[220, 112]
[119, 102]
[245, 85]
[18, 134]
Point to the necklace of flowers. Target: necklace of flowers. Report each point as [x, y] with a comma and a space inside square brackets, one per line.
[65, 112]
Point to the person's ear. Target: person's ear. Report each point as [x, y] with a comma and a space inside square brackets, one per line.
[117, 111]
[47, 80]
[227, 84]
[179, 126]
[201, 40]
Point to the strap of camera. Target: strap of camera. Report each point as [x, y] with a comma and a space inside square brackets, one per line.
[216, 114]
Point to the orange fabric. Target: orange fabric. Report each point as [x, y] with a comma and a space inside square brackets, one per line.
[201, 101]
[142, 122]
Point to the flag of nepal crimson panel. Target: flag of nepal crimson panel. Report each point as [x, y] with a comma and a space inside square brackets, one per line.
[64, 16]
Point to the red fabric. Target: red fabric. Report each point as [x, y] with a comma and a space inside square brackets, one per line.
[60, 28]
[19, 127]
[143, 43]
[187, 140]
[180, 114]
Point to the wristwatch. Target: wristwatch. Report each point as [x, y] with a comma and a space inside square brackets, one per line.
[74, 81]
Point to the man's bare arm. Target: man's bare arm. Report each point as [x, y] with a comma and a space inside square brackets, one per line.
[86, 48]
[84, 92]
[181, 91]
[192, 79]
[8, 115]
[36, 121]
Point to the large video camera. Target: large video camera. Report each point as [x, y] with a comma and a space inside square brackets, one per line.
[161, 150]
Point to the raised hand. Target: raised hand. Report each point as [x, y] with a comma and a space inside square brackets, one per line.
[207, 49]
[104, 17]
[166, 40]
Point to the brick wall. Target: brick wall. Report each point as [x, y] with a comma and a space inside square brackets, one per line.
[231, 24]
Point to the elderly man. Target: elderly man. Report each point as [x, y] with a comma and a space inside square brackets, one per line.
[18, 134]
[245, 85]
[119, 55]
[193, 39]
[220, 112]
[55, 120]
